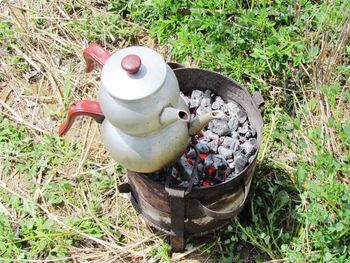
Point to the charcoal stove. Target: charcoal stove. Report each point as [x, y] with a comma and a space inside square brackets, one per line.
[195, 211]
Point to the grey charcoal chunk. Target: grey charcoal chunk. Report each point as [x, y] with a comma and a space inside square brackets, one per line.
[219, 176]
[247, 149]
[242, 139]
[232, 175]
[226, 153]
[248, 134]
[203, 148]
[232, 108]
[254, 142]
[191, 153]
[194, 103]
[231, 165]
[210, 135]
[241, 116]
[240, 163]
[233, 123]
[213, 145]
[219, 127]
[206, 102]
[234, 135]
[218, 103]
[202, 110]
[230, 143]
[215, 160]
[243, 130]
[207, 93]
[204, 140]
[197, 95]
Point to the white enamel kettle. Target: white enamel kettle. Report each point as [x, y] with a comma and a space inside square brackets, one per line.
[146, 124]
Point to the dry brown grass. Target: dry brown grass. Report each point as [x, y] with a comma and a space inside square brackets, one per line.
[33, 92]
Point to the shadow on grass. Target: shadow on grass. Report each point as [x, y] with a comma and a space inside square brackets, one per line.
[268, 221]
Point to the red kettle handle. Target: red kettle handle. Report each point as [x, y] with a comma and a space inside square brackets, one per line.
[94, 55]
[80, 108]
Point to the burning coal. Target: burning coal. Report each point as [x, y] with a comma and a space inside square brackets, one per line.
[220, 152]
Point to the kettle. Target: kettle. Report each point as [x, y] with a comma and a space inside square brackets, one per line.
[146, 124]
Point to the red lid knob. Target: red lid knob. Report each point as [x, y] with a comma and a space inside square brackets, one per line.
[131, 64]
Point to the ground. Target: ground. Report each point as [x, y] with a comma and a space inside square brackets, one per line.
[59, 198]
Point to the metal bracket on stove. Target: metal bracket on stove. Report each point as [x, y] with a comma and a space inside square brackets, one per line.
[177, 206]
[259, 100]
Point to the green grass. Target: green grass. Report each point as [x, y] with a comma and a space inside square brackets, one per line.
[296, 53]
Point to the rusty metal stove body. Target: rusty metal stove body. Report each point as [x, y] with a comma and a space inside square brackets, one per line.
[180, 213]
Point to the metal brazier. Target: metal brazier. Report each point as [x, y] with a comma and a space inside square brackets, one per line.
[177, 212]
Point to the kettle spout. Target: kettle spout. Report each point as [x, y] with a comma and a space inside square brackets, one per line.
[197, 123]
[169, 115]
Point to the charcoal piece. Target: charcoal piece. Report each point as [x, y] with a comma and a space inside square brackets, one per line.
[247, 149]
[229, 143]
[202, 110]
[251, 159]
[205, 102]
[242, 139]
[232, 107]
[215, 160]
[241, 116]
[213, 146]
[253, 142]
[204, 140]
[231, 165]
[226, 153]
[248, 134]
[229, 160]
[233, 123]
[202, 147]
[232, 175]
[185, 168]
[234, 135]
[240, 163]
[219, 176]
[197, 95]
[208, 93]
[243, 130]
[218, 103]
[219, 127]
[194, 103]
[192, 153]
[210, 135]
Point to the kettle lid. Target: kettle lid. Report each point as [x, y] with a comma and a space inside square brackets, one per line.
[133, 73]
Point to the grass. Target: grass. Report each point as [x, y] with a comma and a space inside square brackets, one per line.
[59, 198]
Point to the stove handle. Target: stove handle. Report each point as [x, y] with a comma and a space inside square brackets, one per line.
[259, 100]
[229, 214]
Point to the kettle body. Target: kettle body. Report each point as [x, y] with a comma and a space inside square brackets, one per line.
[146, 124]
